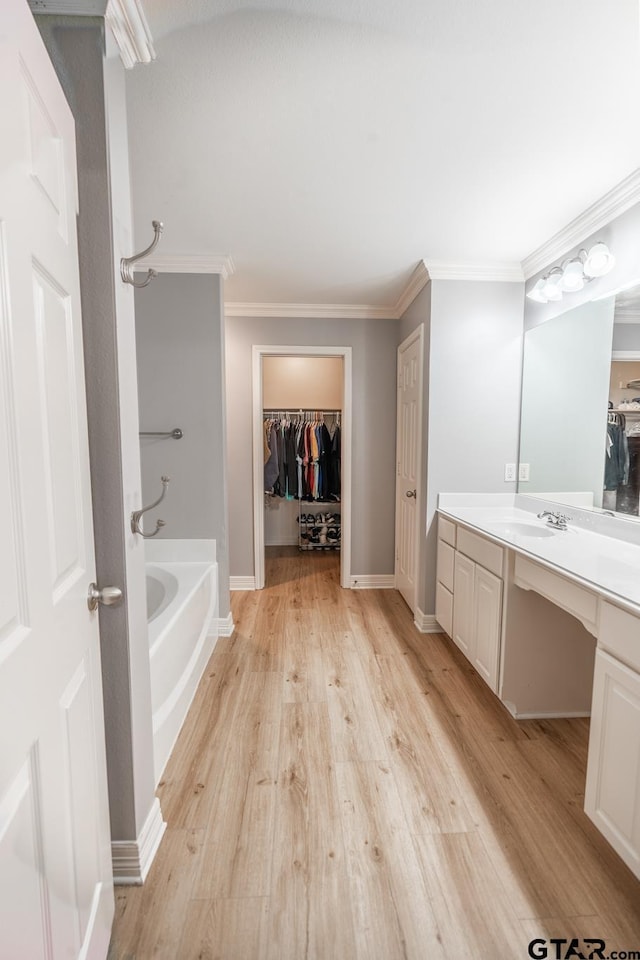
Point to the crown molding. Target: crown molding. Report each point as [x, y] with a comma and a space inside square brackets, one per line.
[417, 282]
[630, 314]
[125, 19]
[311, 311]
[129, 27]
[188, 263]
[613, 204]
[501, 270]
[422, 274]
[70, 8]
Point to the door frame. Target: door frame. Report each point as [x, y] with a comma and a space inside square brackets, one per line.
[258, 352]
[417, 334]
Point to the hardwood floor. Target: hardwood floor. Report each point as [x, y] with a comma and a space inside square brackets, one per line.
[346, 788]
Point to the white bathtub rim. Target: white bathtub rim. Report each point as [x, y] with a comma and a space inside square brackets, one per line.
[161, 625]
[164, 710]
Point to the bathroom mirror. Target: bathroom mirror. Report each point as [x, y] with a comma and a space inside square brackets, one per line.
[576, 365]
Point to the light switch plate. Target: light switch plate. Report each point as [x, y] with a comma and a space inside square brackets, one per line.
[509, 472]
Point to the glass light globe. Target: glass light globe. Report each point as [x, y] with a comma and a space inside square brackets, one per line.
[573, 276]
[599, 260]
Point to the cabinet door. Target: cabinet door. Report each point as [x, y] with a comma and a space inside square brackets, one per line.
[487, 607]
[463, 618]
[612, 797]
[444, 608]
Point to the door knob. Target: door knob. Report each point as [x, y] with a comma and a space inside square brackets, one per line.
[411, 493]
[107, 595]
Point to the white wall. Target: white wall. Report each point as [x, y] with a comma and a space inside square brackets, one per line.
[308, 383]
[374, 345]
[474, 394]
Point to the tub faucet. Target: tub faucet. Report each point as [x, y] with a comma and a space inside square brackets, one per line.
[555, 519]
[137, 514]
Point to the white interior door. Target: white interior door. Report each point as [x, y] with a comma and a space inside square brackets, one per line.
[56, 896]
[407, 464]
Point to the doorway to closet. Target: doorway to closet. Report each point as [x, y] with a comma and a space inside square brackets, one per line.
[304, 509]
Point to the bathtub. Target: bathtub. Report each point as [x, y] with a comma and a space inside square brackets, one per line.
[182, 610]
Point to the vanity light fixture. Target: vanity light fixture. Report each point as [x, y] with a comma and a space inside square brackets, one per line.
[572, 275]
[599, 261]
[552, 289]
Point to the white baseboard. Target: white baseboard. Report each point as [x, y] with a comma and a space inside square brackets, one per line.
[376, 581]
[131, 859]
[225, 625]
[282, 541]
[426, 622]
[545, 715]
[242, 583]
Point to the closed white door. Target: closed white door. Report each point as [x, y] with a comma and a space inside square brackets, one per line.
[56, 895]
[408, 447]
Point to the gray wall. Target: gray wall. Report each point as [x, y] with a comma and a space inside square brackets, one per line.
[420, 312]
[374, 344]
[626, 336]
[474, 394]
[180, 351]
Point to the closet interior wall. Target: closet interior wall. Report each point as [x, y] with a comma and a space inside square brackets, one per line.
[306, 388]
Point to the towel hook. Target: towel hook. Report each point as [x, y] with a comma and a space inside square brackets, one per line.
[137, 514]
[127, 263]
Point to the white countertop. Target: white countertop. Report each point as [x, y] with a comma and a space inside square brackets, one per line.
[589, 551]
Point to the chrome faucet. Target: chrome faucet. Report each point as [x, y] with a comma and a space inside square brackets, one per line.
[555, 519]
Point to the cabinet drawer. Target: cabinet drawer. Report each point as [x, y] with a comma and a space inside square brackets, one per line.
[488, 554]
[444, 608]
[619, 633]
[447, 531]
[577, 601]
[446, 557]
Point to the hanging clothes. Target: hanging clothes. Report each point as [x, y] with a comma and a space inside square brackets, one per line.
[304, 459]
[616, 462]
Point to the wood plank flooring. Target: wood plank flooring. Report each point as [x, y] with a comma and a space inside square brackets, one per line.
[346, 788]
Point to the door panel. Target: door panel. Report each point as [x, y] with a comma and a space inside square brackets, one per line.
[612, 795]
[56, 897]
[488, 618]
[407, 457]
[463, 623]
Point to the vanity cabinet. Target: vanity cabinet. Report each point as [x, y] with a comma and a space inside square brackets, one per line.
[477, 617]
[612, 796]
[469, 594]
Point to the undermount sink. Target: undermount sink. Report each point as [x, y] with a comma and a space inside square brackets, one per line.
[518, 528]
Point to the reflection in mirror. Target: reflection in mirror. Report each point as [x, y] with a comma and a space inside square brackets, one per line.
[622, 459]
[580, 422]
[565, 391]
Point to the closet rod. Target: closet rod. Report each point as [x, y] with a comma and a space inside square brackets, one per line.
[282, 410]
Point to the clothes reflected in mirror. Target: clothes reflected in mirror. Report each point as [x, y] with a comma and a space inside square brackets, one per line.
[622, 459]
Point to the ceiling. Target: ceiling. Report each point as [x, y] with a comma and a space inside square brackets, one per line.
[328, 146]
